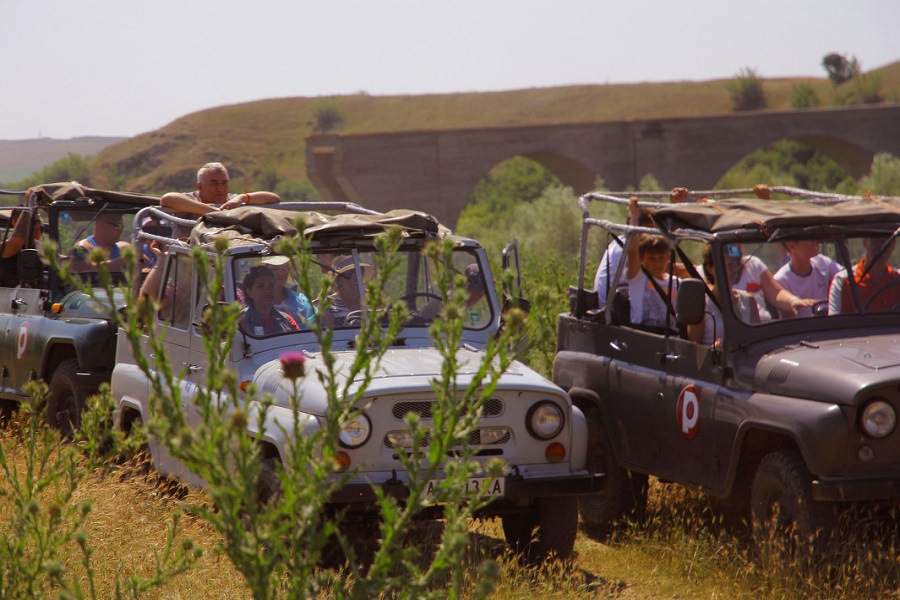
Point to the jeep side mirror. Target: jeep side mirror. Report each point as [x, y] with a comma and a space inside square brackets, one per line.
[29, 267]
[691, 302]
[201, 323]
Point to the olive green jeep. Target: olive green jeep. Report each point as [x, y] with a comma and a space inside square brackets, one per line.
[762, 390]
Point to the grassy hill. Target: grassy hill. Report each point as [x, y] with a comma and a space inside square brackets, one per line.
[265, 140]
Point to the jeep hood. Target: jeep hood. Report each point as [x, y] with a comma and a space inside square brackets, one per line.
[401, 371]
[830, 370]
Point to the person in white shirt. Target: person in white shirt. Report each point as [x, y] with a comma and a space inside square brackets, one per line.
[609, 263]
[807, 274]
[650, 251]
[750, 274]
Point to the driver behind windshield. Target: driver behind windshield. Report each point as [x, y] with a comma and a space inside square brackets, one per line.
[346, 301]
[107, 234]
[877, 282]
[807, 274]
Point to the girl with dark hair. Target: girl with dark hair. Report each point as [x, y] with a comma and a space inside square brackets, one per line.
[260, 317]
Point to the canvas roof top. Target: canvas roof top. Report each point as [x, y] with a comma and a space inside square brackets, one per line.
[50, 192]
[255, 224]
[735, 214]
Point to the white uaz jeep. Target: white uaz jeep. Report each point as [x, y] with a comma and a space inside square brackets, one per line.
[528, 423]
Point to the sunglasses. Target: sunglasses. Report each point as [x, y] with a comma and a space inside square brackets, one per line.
[733, 251]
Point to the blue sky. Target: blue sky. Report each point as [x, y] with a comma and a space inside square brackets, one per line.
[120, 67]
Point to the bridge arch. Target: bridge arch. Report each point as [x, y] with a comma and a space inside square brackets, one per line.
[436, 171]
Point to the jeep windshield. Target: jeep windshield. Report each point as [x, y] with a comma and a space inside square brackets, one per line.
[273, 303]
[821, 275]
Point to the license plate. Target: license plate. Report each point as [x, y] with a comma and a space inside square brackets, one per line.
[490, 487]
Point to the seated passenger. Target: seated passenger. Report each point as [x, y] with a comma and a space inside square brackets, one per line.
[10, 247]
[651, 252]
[711, 330]
[287, 299]
[873, 280]
[609, 263]
[750, 274]
[807, 274]
[475, 315]
[260, 317]
[107, 234]
[346, 298]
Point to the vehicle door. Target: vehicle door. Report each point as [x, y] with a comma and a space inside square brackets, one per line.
[173, 327]
[649, 369]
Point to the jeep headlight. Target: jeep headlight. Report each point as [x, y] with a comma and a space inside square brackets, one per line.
[545, 420]
[878, 419]
[355, 432]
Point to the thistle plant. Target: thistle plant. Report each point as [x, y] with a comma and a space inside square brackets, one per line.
[273, 511]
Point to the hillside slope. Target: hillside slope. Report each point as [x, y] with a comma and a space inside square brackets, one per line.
[265, 140]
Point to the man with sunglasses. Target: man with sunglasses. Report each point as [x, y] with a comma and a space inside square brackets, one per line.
[107, 235]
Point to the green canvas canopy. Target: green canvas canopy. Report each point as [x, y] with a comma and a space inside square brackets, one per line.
[48, 193]
[255, 224]
[734, 214]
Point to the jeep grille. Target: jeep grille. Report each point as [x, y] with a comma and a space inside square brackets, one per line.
[492, 408]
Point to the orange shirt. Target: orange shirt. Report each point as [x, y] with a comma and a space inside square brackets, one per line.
[884, 302]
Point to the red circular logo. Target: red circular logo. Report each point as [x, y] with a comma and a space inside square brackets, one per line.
[688, 411]
[22, 340]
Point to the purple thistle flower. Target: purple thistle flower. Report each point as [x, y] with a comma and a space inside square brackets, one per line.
[293, 364]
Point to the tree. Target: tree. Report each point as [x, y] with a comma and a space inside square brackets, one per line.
[326, 116]
[746, 90]
[840, 68]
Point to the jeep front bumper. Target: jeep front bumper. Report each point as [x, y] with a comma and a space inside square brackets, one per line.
[517, 487]
[859, 490]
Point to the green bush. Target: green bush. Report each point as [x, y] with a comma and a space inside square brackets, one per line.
[786, 163]
[884, 176]
[74, 167]
[862, 89]
[327, 115]
[746, 91]
[804, 95]
[297, 191]
[513, 182]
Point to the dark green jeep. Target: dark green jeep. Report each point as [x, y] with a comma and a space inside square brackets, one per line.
[772, 383]
[48, 331]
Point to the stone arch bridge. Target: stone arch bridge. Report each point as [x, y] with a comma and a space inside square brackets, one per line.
[436, 171]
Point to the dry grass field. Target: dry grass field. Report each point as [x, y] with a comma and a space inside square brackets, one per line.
[680, 551]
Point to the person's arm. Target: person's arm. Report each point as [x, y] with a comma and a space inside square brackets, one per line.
[183, 203]
[17, 238]
[632, 251]
[251, 198]
[786, 302]
[150, 287]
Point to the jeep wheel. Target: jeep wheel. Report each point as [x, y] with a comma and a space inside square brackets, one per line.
[623, 493]
[781, 503]
[553, 523]
[268, 486]
[65, 399]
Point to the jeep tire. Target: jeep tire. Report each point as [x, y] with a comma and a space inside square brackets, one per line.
[781, 501]
[65, 399]
[547, 530]
[623, 494]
